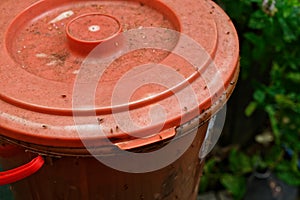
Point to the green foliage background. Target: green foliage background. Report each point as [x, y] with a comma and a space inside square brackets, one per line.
[269, 34]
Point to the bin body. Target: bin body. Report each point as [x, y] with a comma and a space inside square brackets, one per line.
[71, 177]
[87, 80]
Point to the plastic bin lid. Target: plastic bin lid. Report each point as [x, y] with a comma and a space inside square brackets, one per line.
[74, 70]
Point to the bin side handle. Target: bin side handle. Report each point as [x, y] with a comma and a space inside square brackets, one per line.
[21, 172]
[140, 142]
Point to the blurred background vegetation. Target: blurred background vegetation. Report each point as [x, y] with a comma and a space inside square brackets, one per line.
[262, 131]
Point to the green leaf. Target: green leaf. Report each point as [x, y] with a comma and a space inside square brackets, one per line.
[251, 37]
[255, 1]
[274, 123]
[274, 156]
[294, 163]
[204, 183]
[259, 96]
[289, 177]
[295, 77]
[258, 162]
[209, 165]
[287, 32]
[239, 162]
[251, 108]
[259, 45]
[236, 185]
[284, 101]
[257, 20]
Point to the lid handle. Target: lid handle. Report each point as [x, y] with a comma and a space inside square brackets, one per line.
[21, 172]
[141, 142]
[87, 31]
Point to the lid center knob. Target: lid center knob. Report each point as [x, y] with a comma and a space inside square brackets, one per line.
[94, 28]
[86, 31]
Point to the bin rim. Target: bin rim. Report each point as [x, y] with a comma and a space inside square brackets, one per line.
[29, 97]
[181, 131]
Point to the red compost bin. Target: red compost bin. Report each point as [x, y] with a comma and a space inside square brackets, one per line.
[111, 99]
